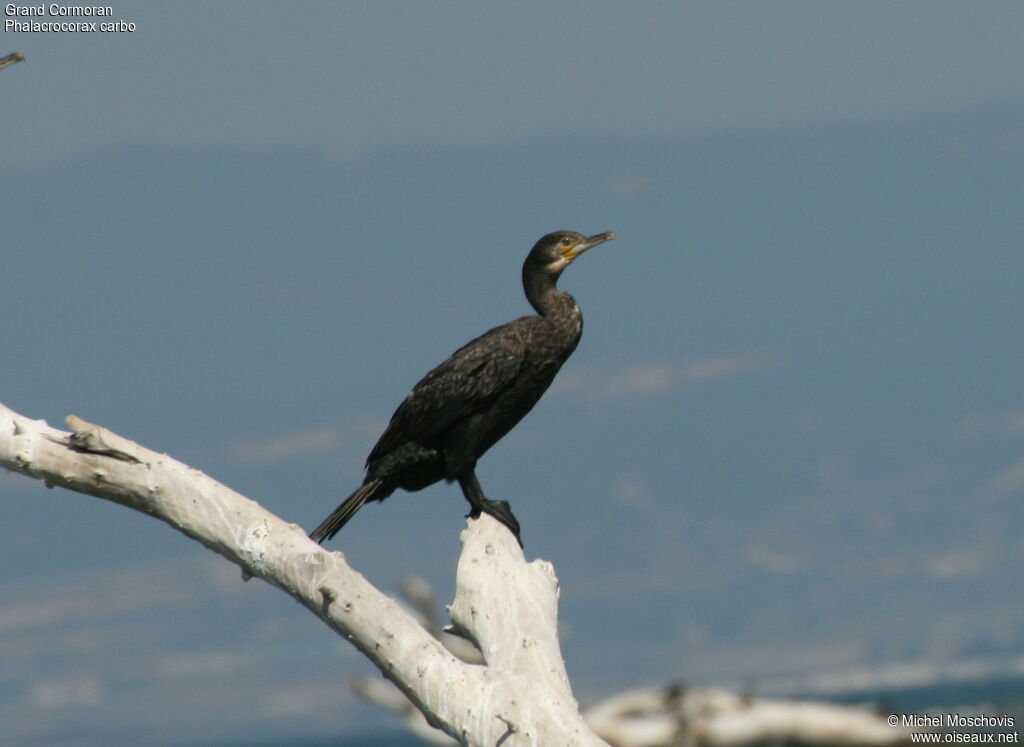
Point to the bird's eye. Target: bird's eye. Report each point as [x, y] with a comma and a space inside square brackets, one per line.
[566, 241]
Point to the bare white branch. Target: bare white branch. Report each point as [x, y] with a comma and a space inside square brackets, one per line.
[718, 718]
[521, 696]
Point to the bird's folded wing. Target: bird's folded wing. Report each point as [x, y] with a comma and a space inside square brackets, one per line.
[462, 386]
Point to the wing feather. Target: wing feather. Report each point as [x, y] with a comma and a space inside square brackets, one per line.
[465, 384]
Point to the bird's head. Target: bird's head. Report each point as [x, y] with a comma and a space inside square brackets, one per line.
[554, 252]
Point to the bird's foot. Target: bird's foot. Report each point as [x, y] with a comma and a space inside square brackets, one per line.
[500, 510]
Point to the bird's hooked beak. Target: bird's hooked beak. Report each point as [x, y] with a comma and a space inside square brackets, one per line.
[572, 252]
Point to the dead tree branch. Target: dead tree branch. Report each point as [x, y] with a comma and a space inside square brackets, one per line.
[519, 696]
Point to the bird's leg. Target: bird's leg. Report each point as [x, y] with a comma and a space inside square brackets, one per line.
[479, 503]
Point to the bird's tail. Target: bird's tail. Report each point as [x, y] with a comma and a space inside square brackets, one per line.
[340, 516]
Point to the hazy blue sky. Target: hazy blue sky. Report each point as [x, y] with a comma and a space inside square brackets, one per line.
[789, 450]
[341, 77]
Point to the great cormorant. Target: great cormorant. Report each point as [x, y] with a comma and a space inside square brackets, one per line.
[465, 405]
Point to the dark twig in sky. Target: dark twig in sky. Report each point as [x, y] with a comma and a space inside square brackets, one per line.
[10, 59]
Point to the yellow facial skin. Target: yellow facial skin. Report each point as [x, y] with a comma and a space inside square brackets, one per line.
[568, 248]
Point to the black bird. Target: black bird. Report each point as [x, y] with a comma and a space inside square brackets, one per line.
[464, 406]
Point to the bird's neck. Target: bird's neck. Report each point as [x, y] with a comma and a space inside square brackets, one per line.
[545, 298]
